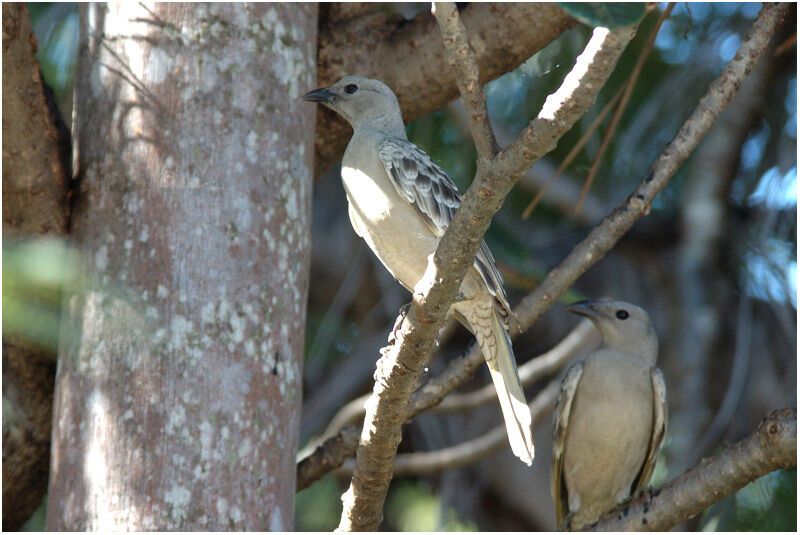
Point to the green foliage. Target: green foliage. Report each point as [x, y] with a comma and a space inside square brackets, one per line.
[318, 507]
[413, 506]
[35, 273]
[767, 504]
[608, 14]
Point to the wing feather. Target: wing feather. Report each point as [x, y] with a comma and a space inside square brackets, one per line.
[569, 385]
[421, 182]
[659, 426]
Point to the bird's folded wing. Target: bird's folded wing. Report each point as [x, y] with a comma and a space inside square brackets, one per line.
[418, 179]
[659, 426]
[569, 385]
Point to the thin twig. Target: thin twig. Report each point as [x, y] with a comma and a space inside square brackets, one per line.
[771, 447]
[612, 127]
[470, 451]
[465, 68]
[436, 291]
[573, 153]
[401, 366]
[580, 340]
[605, 235]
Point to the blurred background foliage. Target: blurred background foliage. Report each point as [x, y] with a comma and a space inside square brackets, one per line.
[353, 302]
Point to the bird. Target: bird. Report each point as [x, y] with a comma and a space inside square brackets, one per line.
[401, 202]
[610, 417]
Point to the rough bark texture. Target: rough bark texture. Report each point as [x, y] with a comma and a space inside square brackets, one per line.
[375, 45]
[178, 393]
[34, 204]
[34, 181]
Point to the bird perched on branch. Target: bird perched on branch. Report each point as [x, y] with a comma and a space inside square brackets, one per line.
[610, 417]
[401, 202]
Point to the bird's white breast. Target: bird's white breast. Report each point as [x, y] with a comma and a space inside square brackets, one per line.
[373, 202]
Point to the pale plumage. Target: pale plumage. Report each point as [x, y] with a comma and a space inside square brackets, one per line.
[401, 202]
[610, 417]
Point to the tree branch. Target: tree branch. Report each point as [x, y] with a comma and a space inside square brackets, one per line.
[603, 237]
[581, 339]
[772, 446]
[470, 451]
[401, 366]
[591, 249]
[465, 66]
[398, 371]
[361, 45]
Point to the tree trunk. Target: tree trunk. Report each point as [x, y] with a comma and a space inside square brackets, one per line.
[34, 205]
[178, 389]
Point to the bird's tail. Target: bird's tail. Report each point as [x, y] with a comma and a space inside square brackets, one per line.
[496, 347]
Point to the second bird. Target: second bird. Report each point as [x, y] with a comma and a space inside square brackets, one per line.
[401, 202]
[610, 417]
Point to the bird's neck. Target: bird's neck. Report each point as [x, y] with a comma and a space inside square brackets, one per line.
[389, 125]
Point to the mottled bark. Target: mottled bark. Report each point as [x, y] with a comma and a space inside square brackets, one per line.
[177, 399]
[34, 204]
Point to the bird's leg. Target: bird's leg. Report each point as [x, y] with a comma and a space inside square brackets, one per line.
[394, 334]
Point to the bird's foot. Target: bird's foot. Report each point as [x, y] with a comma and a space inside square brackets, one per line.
[394, 334]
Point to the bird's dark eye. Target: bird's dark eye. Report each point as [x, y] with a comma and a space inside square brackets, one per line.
[622, 314]
[350, 88]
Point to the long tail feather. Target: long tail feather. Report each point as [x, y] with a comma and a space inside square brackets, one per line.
[499, 356]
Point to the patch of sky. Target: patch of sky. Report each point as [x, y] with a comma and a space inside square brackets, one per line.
[772, 272]
[674, 48]
[775, 190]
[729, 47]
[753, 147]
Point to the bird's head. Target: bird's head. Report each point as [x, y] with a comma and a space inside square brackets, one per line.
[362, 101]
[625, 327]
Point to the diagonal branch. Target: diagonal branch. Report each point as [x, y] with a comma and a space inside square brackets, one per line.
[335, 450]
[772, 446]
[361, 44]
[470, 451]
[605, 235]
[465, 67]
[399, 369]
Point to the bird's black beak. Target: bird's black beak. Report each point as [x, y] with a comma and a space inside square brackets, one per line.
[323, 94]
[589, 309]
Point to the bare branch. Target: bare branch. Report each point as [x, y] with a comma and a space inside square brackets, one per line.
[465, 67]
[603, 237]
[627, 92]
[772, 446]
[470, 451]
[401, 366]
[564, 107]
[362, 44]
[581, 339]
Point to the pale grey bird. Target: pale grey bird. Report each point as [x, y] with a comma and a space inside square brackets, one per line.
[401, 202]
[610, 417]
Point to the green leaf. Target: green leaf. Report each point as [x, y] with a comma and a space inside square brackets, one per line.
[610, 15]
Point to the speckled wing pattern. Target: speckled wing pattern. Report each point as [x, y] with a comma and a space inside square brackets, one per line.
[569, 385]
[659, 427]
[421, 182]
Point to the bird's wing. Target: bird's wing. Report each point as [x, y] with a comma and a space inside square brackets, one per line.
[421, 182]
[569, 385]
[659, 426]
